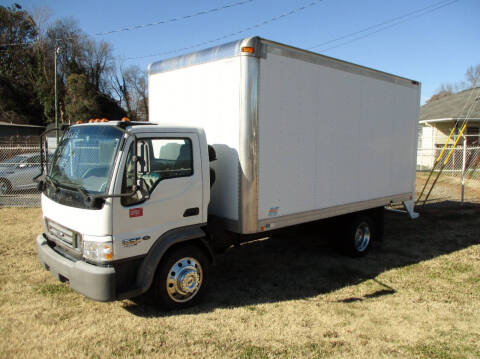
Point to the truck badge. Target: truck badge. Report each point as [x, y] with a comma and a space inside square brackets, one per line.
[272, 212]
[136, 212]
[131, 242]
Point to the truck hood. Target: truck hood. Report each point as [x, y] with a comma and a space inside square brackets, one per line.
[84, 221]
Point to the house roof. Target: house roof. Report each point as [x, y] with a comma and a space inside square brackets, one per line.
[443, 120]
[452, 107]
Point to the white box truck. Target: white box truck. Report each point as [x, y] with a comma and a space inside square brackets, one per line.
[244, 139]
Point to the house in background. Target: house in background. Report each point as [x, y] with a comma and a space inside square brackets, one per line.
[438, 118]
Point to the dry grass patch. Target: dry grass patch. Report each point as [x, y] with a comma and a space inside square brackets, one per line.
[292, 296]
[448, 187]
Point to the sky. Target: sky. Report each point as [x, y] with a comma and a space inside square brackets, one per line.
[431, 46]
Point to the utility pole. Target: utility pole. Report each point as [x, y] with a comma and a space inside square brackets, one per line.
[57, 49]
[464, 161]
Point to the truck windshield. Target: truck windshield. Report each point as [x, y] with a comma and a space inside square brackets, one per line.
[84, 158]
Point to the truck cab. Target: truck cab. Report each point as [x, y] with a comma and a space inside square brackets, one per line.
[120, 197]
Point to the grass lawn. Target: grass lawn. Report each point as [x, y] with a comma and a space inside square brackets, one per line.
[293, 296]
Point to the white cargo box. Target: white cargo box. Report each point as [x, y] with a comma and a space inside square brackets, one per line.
[299, 136]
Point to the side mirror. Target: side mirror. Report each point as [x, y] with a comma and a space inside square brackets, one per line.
[143, 189]
[143, 158]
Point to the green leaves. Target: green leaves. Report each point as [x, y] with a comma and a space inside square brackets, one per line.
[27, 72]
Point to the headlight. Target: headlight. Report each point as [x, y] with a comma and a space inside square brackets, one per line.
[98, 249]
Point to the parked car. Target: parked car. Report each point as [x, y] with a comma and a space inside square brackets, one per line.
[17, 172]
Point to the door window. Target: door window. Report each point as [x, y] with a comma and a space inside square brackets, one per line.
[168, 158]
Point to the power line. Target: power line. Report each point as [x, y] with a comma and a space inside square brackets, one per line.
[161, 22]
[393, 22]
[175, 19]
[390, 23]
[260, 24]
[377, 25]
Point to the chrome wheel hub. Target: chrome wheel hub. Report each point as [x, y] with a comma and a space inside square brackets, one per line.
[362, 237]
[184, 279]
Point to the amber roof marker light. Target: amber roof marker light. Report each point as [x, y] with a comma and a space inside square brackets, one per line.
[248, 49]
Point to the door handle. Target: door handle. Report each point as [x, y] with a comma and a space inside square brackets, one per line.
[191, 212]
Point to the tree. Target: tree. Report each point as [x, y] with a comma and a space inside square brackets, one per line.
[17, 34]
[473, 75]
[130, 86]
[473, 80]
[80, 99]
[17, 58]
[83, 101]
[84, 66]
[97, 61]
[443, 91]
[81, 55]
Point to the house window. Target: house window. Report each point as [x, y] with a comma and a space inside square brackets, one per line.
[473, 136]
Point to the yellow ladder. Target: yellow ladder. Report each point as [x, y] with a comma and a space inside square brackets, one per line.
[443, 164]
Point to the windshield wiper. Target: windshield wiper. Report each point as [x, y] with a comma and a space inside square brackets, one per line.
[82, 191]
[56, 185]
[53, 182]
[89, 199]
[73, 186]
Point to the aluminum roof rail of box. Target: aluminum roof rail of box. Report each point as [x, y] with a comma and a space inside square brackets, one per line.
[261, 48]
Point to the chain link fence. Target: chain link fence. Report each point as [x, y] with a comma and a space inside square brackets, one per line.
[460, 176]
[19, 163]
[459, 180]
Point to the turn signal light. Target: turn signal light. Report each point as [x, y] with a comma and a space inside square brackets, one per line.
[108, 252]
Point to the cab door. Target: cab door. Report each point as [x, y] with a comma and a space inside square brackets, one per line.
[172, 176]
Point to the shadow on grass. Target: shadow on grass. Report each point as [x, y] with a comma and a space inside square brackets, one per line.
[300, 264]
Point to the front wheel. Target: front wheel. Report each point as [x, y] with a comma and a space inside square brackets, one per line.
[181, 278]
[5, 187]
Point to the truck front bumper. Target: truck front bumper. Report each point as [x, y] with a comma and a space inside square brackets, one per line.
[97, 283]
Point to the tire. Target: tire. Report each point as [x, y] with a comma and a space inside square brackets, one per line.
[5, 187]
[360, 235]
[181, 278]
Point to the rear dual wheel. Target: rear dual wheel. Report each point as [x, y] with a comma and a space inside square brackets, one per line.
[360, 235]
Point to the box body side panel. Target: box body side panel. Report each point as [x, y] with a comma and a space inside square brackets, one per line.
[208, 96]
[328, 138]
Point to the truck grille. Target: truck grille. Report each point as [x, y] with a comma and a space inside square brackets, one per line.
[65, 235]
